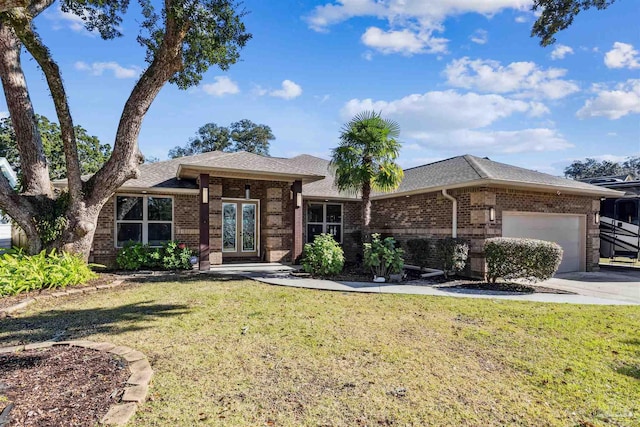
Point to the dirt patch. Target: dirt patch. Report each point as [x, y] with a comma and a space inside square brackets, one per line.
[60, 386]
[102, 279]
[502, 287]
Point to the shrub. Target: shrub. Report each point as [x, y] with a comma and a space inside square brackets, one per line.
[530, 259]
[419, 251]
[452, 255]
[23, 273]
[383, 257]
[172, 256]
[323, 257]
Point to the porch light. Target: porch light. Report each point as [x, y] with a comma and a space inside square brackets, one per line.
[205, 194]
[247, 191]
[492, 214]
[299, 200]
[596, 218]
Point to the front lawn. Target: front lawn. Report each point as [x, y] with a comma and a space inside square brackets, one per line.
[235, 353]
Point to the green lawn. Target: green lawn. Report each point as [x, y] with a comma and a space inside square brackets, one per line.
[239, 353]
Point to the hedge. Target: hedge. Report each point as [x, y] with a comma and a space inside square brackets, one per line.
[512, 258]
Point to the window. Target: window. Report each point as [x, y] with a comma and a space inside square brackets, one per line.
[324, 218]
[144, 219]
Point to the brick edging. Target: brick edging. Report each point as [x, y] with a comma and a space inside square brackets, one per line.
[61, 293]
[136, 387]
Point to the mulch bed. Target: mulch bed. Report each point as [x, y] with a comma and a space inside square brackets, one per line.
[102, 279]
[59, 386]
[502, 287]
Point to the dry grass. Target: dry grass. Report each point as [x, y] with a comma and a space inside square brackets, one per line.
[239, 353]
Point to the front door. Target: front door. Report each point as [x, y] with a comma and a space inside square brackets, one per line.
[240, 232]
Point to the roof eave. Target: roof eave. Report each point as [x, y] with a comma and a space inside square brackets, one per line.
[596, 191]
[191, 171]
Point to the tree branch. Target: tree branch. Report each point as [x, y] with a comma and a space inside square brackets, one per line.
[125, 158]
[19, 209]
[21, 23]
[38, 6]
[33, 162]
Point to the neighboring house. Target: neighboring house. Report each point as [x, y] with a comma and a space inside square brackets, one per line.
[5, 221]
[242, 206]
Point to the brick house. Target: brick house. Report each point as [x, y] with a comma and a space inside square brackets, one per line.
[245, 207]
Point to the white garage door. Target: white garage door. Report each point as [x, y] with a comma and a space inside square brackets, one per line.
[566, 230]
[5, 235]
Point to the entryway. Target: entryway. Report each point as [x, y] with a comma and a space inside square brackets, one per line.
[240, 228]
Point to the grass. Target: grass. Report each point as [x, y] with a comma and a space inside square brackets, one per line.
[236, 353]
[621, 261]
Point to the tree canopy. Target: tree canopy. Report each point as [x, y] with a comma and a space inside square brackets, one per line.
[592, 168]
[243, 135]
[365, 159]
[91, 153]
[182, 40]
[558, 15]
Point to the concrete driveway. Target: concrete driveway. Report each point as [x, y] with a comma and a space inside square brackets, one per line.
[618, 284]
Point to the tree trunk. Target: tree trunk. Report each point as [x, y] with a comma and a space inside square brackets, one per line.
[34, 167]
[366, 212]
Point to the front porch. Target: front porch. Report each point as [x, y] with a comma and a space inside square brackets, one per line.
[248, 215]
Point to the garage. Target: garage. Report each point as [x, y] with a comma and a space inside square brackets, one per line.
[566, 230]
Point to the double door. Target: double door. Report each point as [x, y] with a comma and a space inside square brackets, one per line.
[240, 228]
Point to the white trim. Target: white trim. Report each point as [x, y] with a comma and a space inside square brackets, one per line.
[145, 215]
[324, 222]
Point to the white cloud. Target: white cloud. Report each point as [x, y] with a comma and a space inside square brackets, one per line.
[521, 19]
[288, 91]
[449, 119]
[612, 134]
[613, 104]
[508, 142]
[406, 42]
[560, 51]
[410, 22]
[119, 72]
[622, 55]
[523, 79]
[68, 20]
[479, 36]
[4, 114]
[223, 86]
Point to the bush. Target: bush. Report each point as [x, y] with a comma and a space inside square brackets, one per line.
[383, 257]
[323, 257]
[452, 255]
[23, 273]
[172, 256]
[510, 258]
[419, 251]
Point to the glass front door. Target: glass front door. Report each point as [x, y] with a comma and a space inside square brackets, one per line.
[240, 228]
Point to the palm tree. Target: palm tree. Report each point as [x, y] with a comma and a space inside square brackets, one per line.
[365, 160]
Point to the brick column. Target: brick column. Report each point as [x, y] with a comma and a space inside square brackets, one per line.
[296, 250]
[203, 220]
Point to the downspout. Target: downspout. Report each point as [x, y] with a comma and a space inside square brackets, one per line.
[454, 213]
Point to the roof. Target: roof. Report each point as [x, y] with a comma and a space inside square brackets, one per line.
[318, 179]
[323, 188]
[468, 170]
[245, 165]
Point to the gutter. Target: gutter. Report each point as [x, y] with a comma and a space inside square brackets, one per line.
[454, 213]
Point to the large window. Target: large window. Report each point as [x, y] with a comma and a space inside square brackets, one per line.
[324, 218]
[144, 219]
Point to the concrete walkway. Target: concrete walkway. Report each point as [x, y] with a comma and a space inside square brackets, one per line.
[278, 274]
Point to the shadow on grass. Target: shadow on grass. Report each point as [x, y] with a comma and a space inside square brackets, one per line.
[630, 371]
[79, 323]
[182, 277]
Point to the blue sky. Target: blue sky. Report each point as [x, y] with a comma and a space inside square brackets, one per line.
[460, 76]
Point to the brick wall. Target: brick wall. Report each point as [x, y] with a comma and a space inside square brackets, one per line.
[185, 227]
[429, 216]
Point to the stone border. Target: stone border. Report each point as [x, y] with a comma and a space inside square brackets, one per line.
[136, 387]
[4, 312]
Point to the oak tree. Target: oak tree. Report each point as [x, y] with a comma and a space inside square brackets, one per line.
[182, 38]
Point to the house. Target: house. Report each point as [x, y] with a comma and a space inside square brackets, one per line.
[242, 206]
[5, 222]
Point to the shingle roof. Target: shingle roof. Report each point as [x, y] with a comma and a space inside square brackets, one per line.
[468, 169]
[322, 188]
